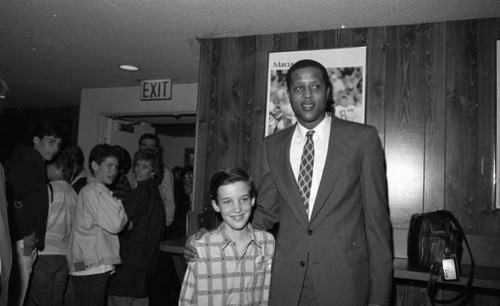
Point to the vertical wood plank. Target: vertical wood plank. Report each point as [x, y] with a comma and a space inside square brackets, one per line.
[264, 45]
[405, 122]
[461, 122]
[376, 62]
[435, 116]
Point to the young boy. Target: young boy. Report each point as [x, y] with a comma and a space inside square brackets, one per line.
[50, 271]
[234, 263]
[94, 247]
[29, 203]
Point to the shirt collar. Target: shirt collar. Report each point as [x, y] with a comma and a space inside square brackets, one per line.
[227, 240]
[319, 131]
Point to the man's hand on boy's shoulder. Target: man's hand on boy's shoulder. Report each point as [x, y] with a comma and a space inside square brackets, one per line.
[190, 253]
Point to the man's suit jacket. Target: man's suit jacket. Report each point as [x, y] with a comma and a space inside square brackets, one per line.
[348, 237]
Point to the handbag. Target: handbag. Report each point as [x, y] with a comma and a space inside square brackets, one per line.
[435, 244]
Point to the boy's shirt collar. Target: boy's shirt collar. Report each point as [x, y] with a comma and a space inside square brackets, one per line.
[227, 240]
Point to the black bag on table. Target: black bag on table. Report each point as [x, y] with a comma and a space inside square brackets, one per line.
[435, 240]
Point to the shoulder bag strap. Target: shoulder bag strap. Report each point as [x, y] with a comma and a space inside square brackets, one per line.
[436, 268]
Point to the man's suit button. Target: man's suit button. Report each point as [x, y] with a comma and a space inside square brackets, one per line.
[310, 232]
[302, 263]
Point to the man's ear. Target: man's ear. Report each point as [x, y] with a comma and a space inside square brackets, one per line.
[94, 165]
[253, 201]
[215, 206]
[36, 140]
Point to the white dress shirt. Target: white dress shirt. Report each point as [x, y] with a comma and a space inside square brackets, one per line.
[321, 139]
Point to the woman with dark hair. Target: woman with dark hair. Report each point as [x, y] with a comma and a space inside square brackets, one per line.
[139, 242]
[121, 185]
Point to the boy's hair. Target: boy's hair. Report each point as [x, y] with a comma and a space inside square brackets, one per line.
[76, 152]
[64, 161]
[156, 163]
[124, 160]
[100, 152]
[49, 128]
[150, 136]
[229, 176]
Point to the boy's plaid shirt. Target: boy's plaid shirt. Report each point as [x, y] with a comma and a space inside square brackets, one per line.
[219, 277]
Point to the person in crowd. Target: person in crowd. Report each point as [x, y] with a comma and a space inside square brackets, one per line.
[140, 240]
[152, 142]
[94, 247]
[5, 246]
[324, 181]
[121, 185]
[50, 271]
[234, 261]
[79, 175]
[182, 206]
[5, 243]
[29, 201]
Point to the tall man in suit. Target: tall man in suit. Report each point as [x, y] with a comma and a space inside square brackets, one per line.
[334, 241]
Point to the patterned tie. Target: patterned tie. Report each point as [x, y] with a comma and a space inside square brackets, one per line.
[306, 170]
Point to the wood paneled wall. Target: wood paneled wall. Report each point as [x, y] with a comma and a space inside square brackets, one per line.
[430, 93]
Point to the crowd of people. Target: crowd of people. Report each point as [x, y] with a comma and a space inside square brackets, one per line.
[85, 237]
[321, 189]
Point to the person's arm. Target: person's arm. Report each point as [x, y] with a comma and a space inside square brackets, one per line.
[23, 178]
[377, 221]
[188, 292]
[107, 211]
[190, 253]
[167, 195]
[267, 273]
[134, 203]
[267, 206]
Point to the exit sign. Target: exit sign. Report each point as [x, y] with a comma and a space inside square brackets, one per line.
[156, 89]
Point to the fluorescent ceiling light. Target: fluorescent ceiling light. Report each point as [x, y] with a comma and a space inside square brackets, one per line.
[129, 67]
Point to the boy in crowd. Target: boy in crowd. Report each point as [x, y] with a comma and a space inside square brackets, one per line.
[29, 203]
[234, 263]
[50, 271]
[94, 246]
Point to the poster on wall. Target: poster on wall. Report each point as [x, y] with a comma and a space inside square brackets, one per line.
[497, 185]
[347, 72]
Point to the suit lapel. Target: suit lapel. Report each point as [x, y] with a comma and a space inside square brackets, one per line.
[285, 179]
[338, 151]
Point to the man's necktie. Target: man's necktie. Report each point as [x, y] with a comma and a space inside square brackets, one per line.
[306, 170]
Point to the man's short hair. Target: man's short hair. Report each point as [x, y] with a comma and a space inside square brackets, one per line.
[313, 64]
[150, 136]
[100, 152]
[229, 176]
[49, 128]
[64, 161]
[76, 152]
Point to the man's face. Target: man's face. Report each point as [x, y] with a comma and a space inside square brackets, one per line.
[148, 143]
[308, 96]
[47, 146]
[107, 170]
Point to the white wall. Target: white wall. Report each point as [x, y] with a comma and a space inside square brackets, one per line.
[129, 141]
[98, 102]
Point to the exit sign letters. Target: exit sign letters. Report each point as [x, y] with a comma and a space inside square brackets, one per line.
[156, 89]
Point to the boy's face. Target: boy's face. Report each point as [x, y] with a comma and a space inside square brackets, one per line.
[234, 203]
[107, 170]
[47, 146]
